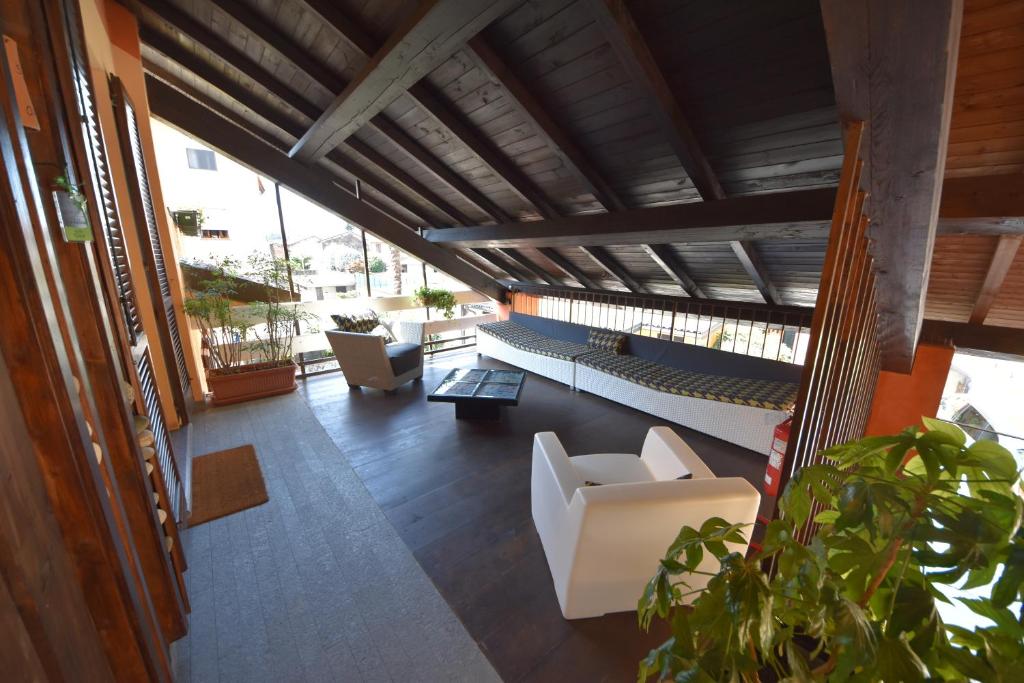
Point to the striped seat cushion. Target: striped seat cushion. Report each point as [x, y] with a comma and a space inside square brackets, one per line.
[524, 338]
[772, 395]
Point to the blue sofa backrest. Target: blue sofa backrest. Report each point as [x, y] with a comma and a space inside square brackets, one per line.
[556, 329]
[711, 361]
[673, 354]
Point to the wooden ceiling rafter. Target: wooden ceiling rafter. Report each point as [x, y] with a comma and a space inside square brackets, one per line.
[502, 263]
[522, 260]
[432, 103]
[274, 39]
[625, 38]
[608, 264]
[357, 172]
[667, 260]
[194, 118]
[751, 261]
[999, 267]
[188, 60]
[554, 136]
[425, 39]
[567, 267]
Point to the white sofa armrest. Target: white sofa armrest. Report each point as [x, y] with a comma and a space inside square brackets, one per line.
[549, 452]
[667, 456]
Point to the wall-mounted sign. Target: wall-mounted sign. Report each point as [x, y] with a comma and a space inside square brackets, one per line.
[25, 108]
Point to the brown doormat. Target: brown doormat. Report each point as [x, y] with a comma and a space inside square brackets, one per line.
[226, 482]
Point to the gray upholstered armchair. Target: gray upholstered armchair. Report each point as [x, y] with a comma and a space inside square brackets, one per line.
[367, 361]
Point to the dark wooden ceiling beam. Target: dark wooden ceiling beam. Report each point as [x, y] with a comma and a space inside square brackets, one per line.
[1004, 342]
[893, 67]
[277, 40]
[791, 215]
[443, 113]
[563, 146]
[520, 259]
[403, 178]
[274, 39]
[609, 265]
[312, 183]
[501, 263]
[176, 52]
[623, 35]
[751, 261]
[484, 149]
[431, 34]
[998, 268]
[666, 259]
[441, 171]
[568, 267]
[202, 35]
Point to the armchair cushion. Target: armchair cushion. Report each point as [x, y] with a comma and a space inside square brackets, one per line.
[403, 357]
[611, 468]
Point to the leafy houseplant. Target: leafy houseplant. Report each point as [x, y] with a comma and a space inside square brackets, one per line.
[906, 522]
[441, 299]
[250, 345]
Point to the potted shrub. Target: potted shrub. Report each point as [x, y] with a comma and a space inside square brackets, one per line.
[906, 522]
[440, 299]
[250, 345]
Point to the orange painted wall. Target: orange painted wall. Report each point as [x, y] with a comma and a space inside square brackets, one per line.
[901, 400]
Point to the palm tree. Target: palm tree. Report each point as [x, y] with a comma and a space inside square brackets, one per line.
[396, 269]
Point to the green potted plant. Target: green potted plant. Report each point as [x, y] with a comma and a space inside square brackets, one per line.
[440, 299]
[249, 343]
[905, 522]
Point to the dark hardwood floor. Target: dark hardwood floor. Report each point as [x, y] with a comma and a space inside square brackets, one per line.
[458, 493]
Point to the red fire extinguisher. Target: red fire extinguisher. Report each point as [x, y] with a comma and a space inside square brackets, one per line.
[776, 458]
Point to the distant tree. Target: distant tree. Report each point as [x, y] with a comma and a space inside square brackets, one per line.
[377, 265]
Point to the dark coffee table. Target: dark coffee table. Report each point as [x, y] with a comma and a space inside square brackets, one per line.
[478, 393]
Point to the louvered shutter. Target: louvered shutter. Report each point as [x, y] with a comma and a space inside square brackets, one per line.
[142, 199]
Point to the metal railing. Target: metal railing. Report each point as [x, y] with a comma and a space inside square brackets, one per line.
[771, 332]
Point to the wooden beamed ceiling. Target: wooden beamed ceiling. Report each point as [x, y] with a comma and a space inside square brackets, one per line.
[663, 148]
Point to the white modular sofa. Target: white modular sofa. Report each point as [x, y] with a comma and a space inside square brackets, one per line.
[603, 542]
[736, 398]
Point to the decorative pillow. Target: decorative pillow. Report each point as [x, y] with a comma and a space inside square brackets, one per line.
[383, 330]
[362, 323]
[606, 340]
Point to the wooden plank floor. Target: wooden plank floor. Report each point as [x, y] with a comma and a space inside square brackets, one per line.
[458, 495]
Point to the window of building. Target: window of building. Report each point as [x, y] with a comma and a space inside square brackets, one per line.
[202, 159]
[209, 234]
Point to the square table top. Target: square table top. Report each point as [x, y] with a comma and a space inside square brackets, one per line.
[480, 384]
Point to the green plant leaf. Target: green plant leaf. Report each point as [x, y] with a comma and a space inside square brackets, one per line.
[898, 662]
[957, 436]
[997, 460]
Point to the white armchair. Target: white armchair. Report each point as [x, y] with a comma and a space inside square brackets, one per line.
[367, 361]
[603, 542]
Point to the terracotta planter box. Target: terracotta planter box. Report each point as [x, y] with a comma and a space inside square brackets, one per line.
[250, 382]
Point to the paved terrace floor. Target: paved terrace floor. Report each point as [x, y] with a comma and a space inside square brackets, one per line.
[397, 544]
